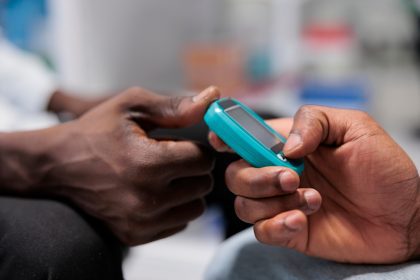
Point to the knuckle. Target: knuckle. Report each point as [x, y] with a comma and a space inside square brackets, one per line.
[314, 120]
[306, 109]
[172, 109]
[361, 117]
[364, 116]
[132, 204]
[252, 180]
[231, 177]
[259, 179]
[149, 204]
[260, 234]
[235, 175]
[174, 104]
[243, 210]
[362, 120]
[273, 236]
[286, 242]
[131, 96]
[309, 112]
[135, 92]
[161, 160]
[277, 234]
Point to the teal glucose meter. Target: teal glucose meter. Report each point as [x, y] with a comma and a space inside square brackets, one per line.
[248, 135]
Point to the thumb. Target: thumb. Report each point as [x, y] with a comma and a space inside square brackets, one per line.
[316, 125]
[187, 111]
[174, 112]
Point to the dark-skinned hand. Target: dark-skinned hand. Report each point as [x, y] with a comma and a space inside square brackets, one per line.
[356, 202]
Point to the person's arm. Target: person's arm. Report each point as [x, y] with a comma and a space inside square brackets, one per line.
[104, 163]
[26, 156]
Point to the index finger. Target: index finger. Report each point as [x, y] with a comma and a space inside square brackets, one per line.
[244, 180]
[218, 143]
[186, 159]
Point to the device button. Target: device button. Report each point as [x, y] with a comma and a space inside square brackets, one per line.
[281, 157]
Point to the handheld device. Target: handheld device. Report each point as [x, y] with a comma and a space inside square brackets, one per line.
[248, 135]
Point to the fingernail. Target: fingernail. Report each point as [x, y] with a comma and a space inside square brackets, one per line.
[294, 142]
[209, 94]
[288, 182]
[312, 200]
[293, 222]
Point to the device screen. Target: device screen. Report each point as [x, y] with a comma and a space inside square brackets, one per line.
[255, 128]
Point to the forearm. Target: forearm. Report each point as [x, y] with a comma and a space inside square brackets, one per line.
[27, 157]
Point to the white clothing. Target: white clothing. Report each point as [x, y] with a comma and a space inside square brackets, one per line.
[26, 86]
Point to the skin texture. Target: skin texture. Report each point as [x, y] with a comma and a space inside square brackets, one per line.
[104, 163]
[356, 202]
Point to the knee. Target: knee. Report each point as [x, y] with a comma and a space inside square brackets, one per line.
[55, 242]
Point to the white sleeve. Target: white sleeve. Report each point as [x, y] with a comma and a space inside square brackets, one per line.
[13, 118]
[24, 80]
[8, 115]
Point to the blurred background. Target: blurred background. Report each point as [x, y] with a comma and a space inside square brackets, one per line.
[274, 55]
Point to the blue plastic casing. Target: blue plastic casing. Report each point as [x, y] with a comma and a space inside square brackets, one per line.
[243, 142]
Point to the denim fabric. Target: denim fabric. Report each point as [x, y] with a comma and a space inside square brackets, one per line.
[243, 257]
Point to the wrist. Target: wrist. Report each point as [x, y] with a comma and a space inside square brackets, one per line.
[26, 159]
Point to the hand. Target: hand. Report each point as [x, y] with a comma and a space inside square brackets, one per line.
[369, 187]
[142, 189]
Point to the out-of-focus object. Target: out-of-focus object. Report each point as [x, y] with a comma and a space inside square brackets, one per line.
[414, 6]
[248, 26]
[285, 43]
[26, 86]
[214, 65]
[330, 51]
[25, 24]
[268, 32]
[387, 34]
[263, 39]
[105, 46]
[387, 39]
[331, 57]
